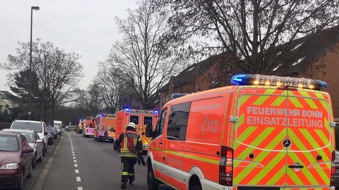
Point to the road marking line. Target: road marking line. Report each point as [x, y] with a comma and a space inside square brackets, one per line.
[76, 165]
[76, 171]
[79, 188]
[73, 154]
[78, 179]
[74, 160]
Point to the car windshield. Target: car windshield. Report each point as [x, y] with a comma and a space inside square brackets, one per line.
[8, 143]
[29, 137]
[27, 125]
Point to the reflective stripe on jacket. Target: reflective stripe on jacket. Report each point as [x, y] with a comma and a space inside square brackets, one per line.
[133, 137]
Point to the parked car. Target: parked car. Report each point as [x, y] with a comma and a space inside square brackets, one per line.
[38, 126]
[69, 128]
[50, 137]
[58, 128]
[54, 132]
[34, 141]
[15, 160]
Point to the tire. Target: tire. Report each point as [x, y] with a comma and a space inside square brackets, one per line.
[34, 161]
[114, 147]
[152, 183]
[196, 187]
[41, 157]
[30, 172]
[21, 184]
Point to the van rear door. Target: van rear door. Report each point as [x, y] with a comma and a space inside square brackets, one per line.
[281, 138]
[308, 141]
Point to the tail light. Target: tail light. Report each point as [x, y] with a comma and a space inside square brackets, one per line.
[226, 166]
[333, 167]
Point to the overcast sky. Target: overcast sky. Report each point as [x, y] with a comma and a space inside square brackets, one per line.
[85, 27]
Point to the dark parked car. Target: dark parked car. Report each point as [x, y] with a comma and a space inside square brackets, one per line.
[15, 160]
[54, 132]
[50, 135]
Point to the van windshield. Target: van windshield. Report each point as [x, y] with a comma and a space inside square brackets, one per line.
[37, 127]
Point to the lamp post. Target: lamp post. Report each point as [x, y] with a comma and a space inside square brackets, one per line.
[30, 66]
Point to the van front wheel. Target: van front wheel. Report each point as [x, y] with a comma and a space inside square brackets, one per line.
[196, 187]
[152, 183]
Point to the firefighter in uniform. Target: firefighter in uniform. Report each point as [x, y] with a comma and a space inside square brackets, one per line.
[128, 156]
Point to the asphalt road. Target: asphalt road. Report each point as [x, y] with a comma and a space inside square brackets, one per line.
[74, 162]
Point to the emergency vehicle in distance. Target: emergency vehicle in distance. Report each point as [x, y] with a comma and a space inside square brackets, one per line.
[80, 128]
[89, 125]
[141, 118]
[263, 132]
[105, 127]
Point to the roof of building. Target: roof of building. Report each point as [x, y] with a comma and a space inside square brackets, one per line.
[307, 50]
[9, 95]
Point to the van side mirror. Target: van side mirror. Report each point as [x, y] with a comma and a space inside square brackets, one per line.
[149, 131]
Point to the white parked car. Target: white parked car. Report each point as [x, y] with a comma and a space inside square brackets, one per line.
[34, 142]
[38, 126]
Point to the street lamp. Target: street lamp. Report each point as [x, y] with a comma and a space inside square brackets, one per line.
[30, 66]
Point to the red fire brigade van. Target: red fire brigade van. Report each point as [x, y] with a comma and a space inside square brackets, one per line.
[141, 118]
[263, 132]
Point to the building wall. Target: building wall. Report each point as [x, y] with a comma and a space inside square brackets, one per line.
[325, 68]
[328, 71]
[197, 81]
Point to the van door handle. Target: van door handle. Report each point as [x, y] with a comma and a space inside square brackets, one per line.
[160, 143]
[296, 166]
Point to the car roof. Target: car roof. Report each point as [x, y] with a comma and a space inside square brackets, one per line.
[10, 133]
[29, 121]
[19, 130]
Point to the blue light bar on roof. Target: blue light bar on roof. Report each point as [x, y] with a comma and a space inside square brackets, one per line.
[177, 95]
[279, 81]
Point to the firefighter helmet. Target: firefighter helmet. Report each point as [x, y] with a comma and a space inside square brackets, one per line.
[131, 124]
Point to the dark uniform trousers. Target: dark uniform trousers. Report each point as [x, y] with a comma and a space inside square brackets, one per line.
[127, 168]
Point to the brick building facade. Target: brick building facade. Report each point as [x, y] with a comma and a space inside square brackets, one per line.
[319, 60]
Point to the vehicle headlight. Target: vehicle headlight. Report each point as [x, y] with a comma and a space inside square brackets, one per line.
[11, 166]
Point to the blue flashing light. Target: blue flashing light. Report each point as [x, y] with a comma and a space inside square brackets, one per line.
[177, 95]
[241, 79]
[321, 84]
[127, 110]
[155, 111]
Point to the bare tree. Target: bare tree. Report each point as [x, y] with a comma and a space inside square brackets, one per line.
[144, 61]
[57, 73]
[113, 86]
[251, 32]
[94, 98]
